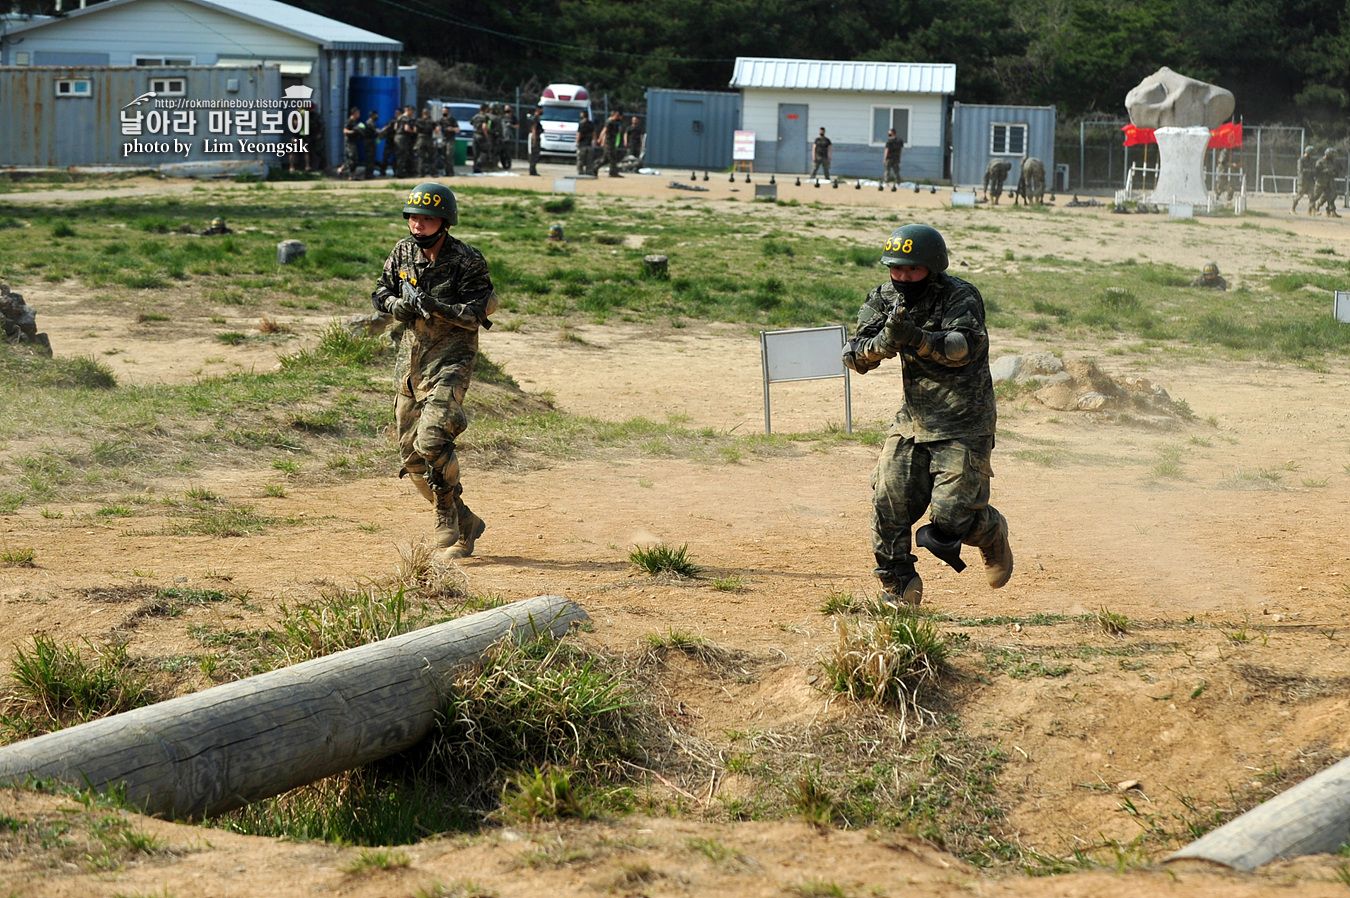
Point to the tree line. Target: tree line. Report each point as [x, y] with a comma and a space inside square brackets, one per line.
[1285, 60]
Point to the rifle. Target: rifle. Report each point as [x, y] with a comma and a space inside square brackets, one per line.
[416, 298]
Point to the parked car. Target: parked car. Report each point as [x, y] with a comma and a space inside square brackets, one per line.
[563, 105]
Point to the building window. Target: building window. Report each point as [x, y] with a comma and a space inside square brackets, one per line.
[74, 87]
[885, 118]
[169, 87]
[1007, 140]
[176, 61]
[21, 58]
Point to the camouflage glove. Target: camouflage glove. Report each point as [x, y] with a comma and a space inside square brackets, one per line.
[403, 309]
[379, 301]
[900, 332]
[851, 360]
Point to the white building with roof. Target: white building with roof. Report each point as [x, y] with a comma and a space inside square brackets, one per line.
[787, 101]
[175, 36]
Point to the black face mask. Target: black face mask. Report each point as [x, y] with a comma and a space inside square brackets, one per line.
[427, 241]
[910, 290]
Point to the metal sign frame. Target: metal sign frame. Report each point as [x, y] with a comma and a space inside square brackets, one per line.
[805, 353]
[1340, 306]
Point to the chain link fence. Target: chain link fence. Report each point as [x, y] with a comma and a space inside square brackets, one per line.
[1266, 163]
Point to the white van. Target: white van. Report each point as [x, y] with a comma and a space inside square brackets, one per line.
[563, 105]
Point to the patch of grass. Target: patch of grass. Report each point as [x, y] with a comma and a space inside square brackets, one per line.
[893, 660]
[729, 583]
[18, 558]
[1110, 623]
[232, 338]
[817, 888]
[662, 559]
[56, 685]
[560, 206]
[545, 794]
[375, 860]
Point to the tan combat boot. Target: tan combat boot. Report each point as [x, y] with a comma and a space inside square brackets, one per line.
[447, 527]
[471, 527]
[998, 558]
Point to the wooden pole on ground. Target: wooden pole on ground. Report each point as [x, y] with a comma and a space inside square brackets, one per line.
[1311, 818]
[213, 751]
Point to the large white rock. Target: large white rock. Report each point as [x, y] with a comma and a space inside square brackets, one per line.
[1167, 99]
[1181, 166]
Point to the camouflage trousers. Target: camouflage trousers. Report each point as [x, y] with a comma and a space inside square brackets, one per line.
[350, 158]
[426, 440]
[821, 163]
[534, 156]
[893, 171]
[403, 157]
[426, 158]
[948, 478]
[1305, 188]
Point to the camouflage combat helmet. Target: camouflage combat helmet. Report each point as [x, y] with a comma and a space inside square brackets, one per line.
[430, 198]
[555, 231]
[1211, 270]
[217, 223]
[915, 244]
[1331, 151]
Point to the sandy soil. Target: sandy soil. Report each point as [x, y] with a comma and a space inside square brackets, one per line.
[1235, 576]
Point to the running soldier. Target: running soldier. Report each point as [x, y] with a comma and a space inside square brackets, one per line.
[440, 292]
[936, 455]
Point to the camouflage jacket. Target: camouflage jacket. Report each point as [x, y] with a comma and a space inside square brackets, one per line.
[946, 398]
[1324, 171]
[459, 295]
[401, 125]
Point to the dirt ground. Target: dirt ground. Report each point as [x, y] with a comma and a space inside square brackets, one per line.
[1233, 570]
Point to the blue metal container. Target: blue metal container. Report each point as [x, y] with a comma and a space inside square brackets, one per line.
[378, 92]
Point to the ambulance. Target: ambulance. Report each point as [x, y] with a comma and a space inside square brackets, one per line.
[563, 105]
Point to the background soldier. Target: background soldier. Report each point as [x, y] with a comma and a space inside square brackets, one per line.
[480, 137]
[895, 147]
[936, 455]
[448, 132]
[351, 142]
[405, 133]
[534, 126]
[822, 153]
[217, 227]
[368, 137]
[1306, 165]
[612, 141]
[439, 289]
[585, 140]
[507, 128]
[426, 143]
[632, 138]
[386, 134]
[1324, 183]
[1209, 277]
[995, 173]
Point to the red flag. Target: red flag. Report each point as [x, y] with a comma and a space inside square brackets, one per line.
[1135, 135]
[1227, 136]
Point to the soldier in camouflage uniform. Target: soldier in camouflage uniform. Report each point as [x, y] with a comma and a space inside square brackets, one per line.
[368, 138]
[448, 131]
[405, 133]
[822, 151]
[479, 124]
[440, 292]
[937, 453]
[351, 142]
[1306, 164]
[534, 126]
[1324, 183]
[995, 173]
[1210, 278]
[895, 148]
[425, 148]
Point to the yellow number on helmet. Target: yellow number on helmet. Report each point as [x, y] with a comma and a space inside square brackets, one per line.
[426, 199]
[436, 199]
[907, 247]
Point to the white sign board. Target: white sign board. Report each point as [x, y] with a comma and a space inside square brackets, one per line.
[963, 199]
[1341, 309]
[564, 185]
[806, 353]
[743, 146]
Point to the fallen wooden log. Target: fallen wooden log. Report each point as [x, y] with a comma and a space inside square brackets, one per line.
[213, 751]
[1310, 818]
